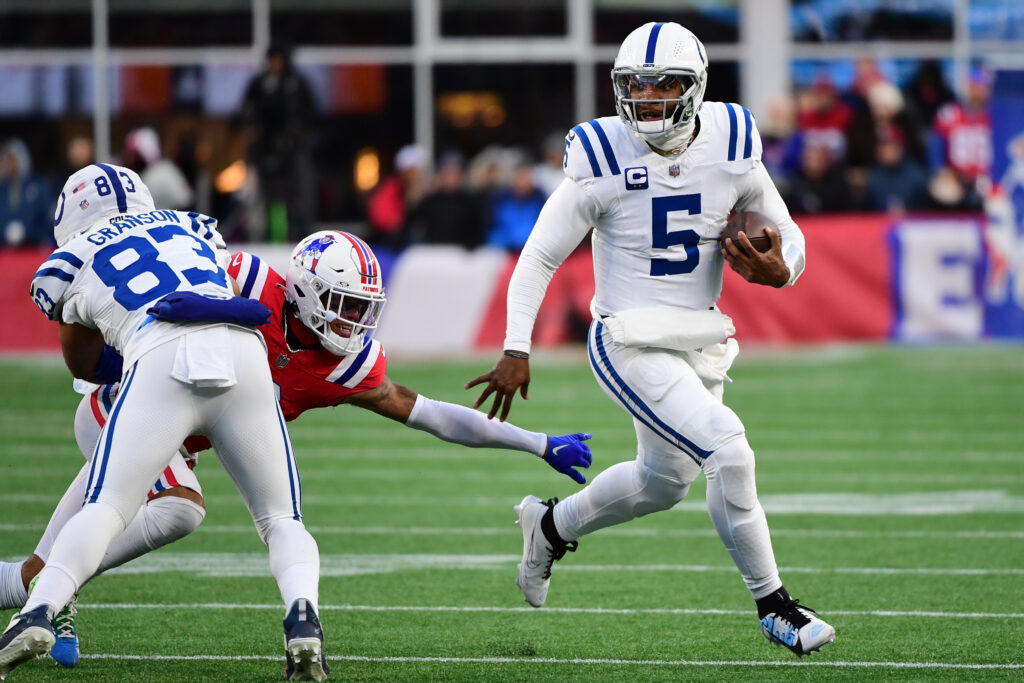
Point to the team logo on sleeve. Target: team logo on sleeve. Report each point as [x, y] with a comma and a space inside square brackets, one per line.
[636, 178]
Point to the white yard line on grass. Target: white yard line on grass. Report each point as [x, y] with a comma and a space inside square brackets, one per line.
[552, 660]
[847, 504]
[550, 610]
[354, 564]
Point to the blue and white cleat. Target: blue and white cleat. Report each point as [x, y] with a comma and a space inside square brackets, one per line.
[28, 636]
[798, 628]
[65, 650]
[304, 644]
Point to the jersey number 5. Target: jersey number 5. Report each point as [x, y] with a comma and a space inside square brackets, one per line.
[661, 238]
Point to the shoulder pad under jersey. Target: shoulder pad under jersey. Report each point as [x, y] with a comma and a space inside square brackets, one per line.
[598, 148]
[735, 137]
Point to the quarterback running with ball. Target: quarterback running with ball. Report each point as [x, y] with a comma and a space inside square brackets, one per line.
[657, 184]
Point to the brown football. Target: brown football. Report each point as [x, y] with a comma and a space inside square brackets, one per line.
[753, 224]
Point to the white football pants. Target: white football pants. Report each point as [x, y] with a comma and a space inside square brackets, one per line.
[152, 416]
[682, 427]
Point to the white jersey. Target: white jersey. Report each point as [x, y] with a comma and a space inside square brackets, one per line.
[107, 277]
[657, 220]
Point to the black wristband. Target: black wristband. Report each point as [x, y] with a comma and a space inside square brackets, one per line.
[517, 354]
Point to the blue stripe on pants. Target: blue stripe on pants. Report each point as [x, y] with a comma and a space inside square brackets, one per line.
[635, 405]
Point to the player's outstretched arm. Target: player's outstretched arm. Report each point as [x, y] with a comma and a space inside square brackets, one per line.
[468, 427]
[510, 374]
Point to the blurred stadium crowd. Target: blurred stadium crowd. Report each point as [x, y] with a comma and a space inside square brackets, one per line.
[863, 137]
[871, 147]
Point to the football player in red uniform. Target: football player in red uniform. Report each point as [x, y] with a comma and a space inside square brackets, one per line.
[321, 353]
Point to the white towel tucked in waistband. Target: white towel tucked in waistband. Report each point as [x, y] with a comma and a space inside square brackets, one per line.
[664, 327]
[204, 358]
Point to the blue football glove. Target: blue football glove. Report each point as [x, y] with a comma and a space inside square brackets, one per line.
[108, 370]
[565, 452]
[193, 307]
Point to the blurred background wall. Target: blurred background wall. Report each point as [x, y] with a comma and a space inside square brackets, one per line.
[893, 128]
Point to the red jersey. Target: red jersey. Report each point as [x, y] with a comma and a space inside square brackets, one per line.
[306, 378]
[968, 138]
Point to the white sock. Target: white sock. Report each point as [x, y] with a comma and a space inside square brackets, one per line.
[294, 562]
[68, 506]
[76, 554]
[12, 589]
[739, 518]
[157, 523]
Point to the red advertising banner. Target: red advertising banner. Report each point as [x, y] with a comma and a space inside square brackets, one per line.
[844, 294]
[848, 292]
[22, 326]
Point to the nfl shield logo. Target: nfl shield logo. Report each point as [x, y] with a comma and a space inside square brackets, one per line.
[673, 170]
[84, 204]
[282, 360]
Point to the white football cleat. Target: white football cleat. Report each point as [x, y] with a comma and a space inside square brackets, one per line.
[539, 553]
[797, 628]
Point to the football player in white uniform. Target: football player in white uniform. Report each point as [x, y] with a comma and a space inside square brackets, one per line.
[312, 367]
[657, 184]
[118, 256]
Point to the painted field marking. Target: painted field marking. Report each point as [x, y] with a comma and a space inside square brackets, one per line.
[625, 532]
[551, 610]
[551, 660]
[847, 504]
[255, 565]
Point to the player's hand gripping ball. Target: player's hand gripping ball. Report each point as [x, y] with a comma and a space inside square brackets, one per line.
[753, 224]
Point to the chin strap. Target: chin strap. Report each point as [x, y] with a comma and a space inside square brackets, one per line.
[672, 142]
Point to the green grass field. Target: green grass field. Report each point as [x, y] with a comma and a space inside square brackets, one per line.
[893, 479]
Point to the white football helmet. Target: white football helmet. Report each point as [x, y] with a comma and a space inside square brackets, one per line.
[93, 195]
[659, 55]
[333, 276]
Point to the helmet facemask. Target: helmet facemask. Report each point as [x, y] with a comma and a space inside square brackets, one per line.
[343, 320]
[335, 287]
[665, 123]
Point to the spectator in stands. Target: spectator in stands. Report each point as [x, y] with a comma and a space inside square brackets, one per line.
[823, 119]
[278, 107]
[515, 210]
[927, 91]
[166, 182]
[450, 213]
[819, 186]
[960, 147]
[866, 74]
[780, 142]
[896, 182]
[884, 110]
[491, 169]
[26, 201]
[79, 154]
[548, 172]
[389, 203]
